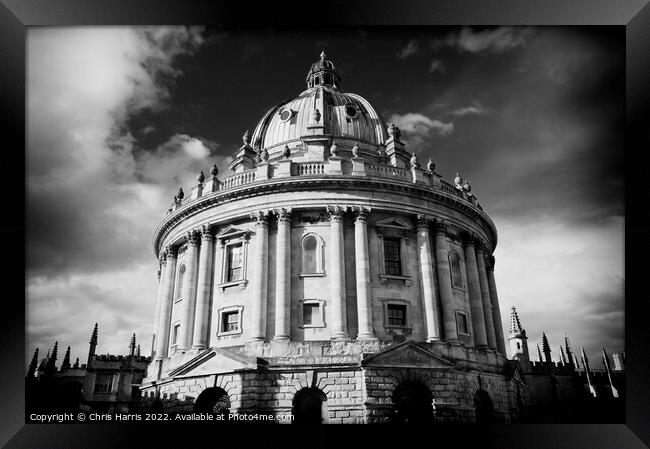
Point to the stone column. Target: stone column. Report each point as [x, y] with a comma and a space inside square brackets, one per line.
[283, 276]
[444, 282]
[204, 289]
[496, 312]
[260, 278]
[337, 275]
[429, 296]
[474, 289]
[159, 300]
[485, 294]
[164, 319]
[189, 291]
[362, 265]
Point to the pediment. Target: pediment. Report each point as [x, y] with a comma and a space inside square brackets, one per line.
[233, 232]
[408, 355]
[216, 361]
[394, 222]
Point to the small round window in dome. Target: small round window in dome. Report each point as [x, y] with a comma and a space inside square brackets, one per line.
[351, 111]
[285, 114]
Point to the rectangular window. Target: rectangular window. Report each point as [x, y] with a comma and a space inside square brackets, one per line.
[396, 314]
[230, 321]
[461, 323]
[392, 260]
[234, 261]
[104, 383]
[310, 313]
[175, 332]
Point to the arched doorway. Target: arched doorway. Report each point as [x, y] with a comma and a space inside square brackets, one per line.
[213, 400]
[309, 406]
[412, 403]
[484, 407]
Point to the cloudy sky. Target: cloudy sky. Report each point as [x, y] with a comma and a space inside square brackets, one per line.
[118, 118]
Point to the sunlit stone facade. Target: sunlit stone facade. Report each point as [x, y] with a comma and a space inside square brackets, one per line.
[332, 276]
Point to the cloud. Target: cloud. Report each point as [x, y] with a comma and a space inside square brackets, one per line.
[90, 203]
[410, 49]
[495, 40]
[475, 109]
[419, 128]
[437, 65]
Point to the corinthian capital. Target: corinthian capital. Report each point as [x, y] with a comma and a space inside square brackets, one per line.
[284, 215]
[261, 218]
[336, 213]
[423, 223]
[206, 233]
[491, 262]
[361, 214]
[192, 238]
[171, 252]
[440, 227]
[468, 238]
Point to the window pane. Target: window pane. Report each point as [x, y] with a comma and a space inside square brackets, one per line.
[462, 323]
[456, 277]
[309, 246]
[392, 261]
[311, 314]
[230, 321]
[396, 314]
[235, 259]
[179, 283]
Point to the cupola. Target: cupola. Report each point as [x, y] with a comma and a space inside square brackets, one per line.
[323, 73]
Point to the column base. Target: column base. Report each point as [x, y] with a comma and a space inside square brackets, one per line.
[198, 347]
[256, 340]
[433, 339]
[366, 337]
[281, 338]
[340, 336]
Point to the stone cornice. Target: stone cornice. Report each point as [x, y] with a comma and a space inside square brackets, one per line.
[337, 183]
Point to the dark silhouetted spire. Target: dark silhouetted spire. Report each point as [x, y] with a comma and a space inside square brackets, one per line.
[569, 353]
[137, 351]
[132, 346]
[65, 364]
[609, 374]
[585, 363]
[539, 353]
[76, 364]
[93, 346]
[31, 371]
[562, 356]
[50, 368]
[546, 348]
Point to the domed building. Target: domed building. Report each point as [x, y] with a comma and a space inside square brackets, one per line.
[331, 278]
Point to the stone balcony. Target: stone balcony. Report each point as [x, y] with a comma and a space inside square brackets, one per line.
[286, 168]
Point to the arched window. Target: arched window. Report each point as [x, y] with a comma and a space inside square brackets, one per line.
[454, 263]
[179, 282]
[311, 255]
[317, 80]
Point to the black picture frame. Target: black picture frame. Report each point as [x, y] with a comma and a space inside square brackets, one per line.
[634, 15]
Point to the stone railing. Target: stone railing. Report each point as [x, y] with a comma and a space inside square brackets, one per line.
[289, 168]
[308, 168]
[239, 179]
[389, 172]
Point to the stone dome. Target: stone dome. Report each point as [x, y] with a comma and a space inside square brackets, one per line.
[343, 116]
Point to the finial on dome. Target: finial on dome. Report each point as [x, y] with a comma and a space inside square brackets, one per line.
[286, 152]
[431, 166]
[214, 171]
[467, 186]
[247, 137]
[201, 177]
[180, 193]
[323, 55]
[334, 149]
[355, 150]
[264, 155]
